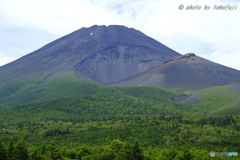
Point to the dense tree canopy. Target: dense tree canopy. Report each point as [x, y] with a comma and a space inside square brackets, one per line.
[112, 123]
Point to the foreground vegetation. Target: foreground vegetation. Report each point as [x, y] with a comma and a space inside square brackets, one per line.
[158, 137]
[115, 150]
[150, 137]
[83, 120]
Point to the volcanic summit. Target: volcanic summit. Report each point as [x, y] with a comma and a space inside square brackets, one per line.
[102, 54]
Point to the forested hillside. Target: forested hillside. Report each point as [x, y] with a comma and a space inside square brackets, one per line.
[98, 122]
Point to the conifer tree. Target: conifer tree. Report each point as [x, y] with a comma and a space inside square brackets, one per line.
[21, 151]
[35, 155]
[53, 151]
[3, 155]
[125, 152]
[43, 149]
[187, 155]
[85, 151]
[11, 150]
[137, 152]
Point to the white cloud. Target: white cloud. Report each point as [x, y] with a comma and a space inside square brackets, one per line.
[213, 34]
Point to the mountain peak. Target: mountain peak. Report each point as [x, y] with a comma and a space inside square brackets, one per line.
[185, 56]
[99, 53]
[188, 56]
[186, 72]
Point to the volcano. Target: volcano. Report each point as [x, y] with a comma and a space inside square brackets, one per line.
[187, 72]
[102, 54]
[118, 56]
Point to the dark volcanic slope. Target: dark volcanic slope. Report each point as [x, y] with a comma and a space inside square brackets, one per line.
[187, 72]
[102, 53]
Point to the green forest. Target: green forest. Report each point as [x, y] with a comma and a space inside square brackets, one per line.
[92, 121]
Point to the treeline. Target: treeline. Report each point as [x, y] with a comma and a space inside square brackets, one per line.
[115, 150]
[217, 133]
[159, 137]
[13, 151]
[29, 91]
[85, 125]
[94, 107]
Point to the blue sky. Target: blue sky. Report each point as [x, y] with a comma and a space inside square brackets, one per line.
[27, 25]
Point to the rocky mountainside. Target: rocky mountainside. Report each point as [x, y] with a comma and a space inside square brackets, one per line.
[103, 54]
[186, 72]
